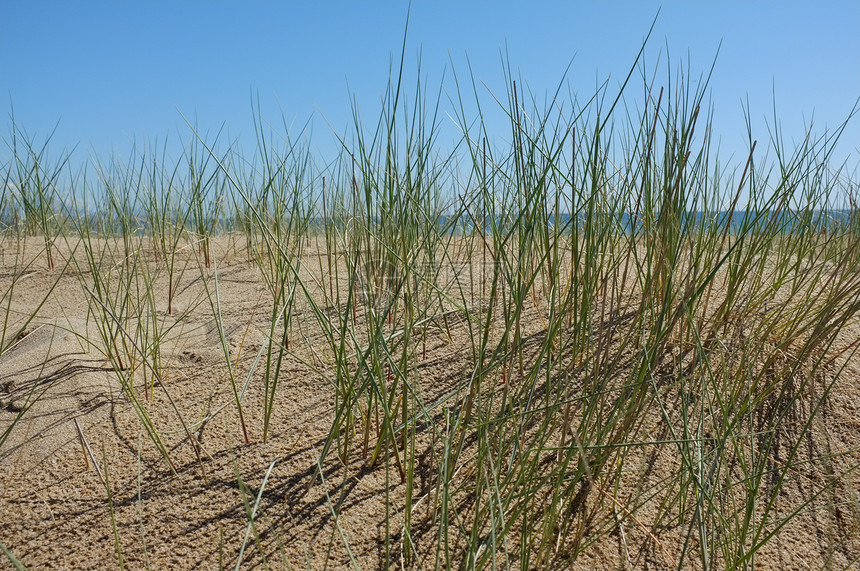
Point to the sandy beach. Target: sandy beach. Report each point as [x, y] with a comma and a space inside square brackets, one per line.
[83, 480]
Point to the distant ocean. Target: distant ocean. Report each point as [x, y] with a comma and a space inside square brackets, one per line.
[783, 222]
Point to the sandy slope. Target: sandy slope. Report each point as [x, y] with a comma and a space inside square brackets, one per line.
[54, 508]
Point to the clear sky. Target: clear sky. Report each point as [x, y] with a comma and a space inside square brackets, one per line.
[116, 72]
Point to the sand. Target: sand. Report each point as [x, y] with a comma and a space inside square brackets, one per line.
[76, 429]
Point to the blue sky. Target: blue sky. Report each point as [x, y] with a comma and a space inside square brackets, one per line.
[116, 72]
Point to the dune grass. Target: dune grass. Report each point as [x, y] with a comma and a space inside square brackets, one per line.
[646, 337]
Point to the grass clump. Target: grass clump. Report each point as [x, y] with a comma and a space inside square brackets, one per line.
[594, 335]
